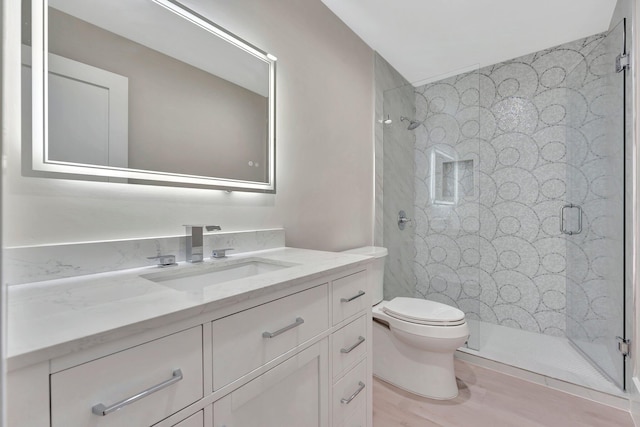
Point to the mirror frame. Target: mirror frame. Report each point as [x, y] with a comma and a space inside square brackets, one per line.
[39, 63]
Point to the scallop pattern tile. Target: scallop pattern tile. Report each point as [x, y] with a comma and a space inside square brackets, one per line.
[534, 130]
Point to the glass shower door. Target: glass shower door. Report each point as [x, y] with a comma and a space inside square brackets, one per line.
[592, 216]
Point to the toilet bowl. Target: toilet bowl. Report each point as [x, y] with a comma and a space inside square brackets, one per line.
[416, 354]
[414, 339]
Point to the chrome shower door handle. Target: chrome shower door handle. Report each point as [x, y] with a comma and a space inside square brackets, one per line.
[562, 219]
[562, 228]
[579, 218]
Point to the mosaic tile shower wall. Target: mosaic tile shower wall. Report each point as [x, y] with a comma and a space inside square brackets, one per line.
[490, 178]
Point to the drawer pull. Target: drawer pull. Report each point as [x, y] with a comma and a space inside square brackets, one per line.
[353, 396]
[350, 349]
[299, 321]
[358, 295]
[102, 410]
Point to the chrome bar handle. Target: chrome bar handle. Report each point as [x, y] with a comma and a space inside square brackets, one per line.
[571, 206]
[358, 295]
[350, 349]
[562, 230]
[103, 410]
[299, 321]
[348, 400]
[579, 218]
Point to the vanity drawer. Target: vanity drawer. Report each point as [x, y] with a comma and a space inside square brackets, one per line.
[350, 296]
[350, 396]
[247, 340]
[348, 345]
[174, 361]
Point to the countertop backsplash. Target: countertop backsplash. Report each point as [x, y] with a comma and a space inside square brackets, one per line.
[37, 263]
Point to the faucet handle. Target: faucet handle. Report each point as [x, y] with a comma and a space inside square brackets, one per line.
[164, 260]
[220, 253]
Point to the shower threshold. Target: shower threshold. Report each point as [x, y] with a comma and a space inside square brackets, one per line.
[541, 354]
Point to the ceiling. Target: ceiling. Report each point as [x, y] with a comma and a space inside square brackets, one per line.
[426, 40]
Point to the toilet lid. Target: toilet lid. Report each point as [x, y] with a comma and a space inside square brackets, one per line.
[416, 310]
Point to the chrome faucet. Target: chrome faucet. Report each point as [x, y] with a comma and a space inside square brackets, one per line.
[195, 241]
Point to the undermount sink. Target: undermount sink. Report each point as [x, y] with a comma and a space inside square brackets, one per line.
[199, 276]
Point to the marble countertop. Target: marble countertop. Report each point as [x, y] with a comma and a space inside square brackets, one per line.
[57, 317]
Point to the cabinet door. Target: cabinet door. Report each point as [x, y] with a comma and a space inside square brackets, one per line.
[292, 394]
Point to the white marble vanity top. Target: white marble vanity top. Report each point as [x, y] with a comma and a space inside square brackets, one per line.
[53, 318]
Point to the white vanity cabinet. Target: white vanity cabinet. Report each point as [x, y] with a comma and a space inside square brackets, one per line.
[297, 356]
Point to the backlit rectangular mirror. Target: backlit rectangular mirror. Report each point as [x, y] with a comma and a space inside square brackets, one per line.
[147, 91]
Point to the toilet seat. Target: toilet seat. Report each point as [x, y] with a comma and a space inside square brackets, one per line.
[437, 331]
[423, 312]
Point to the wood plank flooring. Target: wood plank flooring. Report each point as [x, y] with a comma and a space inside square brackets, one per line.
[491, 399]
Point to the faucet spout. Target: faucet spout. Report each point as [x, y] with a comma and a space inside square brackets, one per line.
[195, 241]
[194, 246]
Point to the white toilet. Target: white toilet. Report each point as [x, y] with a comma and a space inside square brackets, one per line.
[414, 339]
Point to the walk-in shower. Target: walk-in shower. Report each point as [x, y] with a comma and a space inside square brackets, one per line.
[514, 175]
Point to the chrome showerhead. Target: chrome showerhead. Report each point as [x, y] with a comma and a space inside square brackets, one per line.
[386, 121]
[412, 123]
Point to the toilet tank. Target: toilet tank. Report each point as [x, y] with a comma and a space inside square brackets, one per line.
[377, 282]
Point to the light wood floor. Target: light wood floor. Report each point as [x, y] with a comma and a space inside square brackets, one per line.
[491, 399]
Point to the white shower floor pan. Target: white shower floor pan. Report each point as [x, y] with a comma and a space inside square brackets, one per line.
[546, 355]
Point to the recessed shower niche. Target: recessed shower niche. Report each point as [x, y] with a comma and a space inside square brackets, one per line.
[457, 179]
